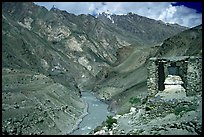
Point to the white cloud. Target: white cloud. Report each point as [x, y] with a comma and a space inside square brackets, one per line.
[168, 15]
[156, 10]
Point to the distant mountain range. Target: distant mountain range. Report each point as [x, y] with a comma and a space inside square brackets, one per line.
[48, 56]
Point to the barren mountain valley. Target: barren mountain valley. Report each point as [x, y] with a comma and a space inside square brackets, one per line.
[134, 75]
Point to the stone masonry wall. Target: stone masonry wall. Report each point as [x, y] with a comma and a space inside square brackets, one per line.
[152, 78]
[183, 71]
[190, 70]
[194, 76]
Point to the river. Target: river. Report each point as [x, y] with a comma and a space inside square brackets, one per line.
[97, 113]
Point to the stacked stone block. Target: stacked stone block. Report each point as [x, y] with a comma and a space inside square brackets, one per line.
[194, 76]
[152, 78]
[183, 71]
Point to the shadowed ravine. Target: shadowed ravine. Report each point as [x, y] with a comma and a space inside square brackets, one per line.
[97, 113]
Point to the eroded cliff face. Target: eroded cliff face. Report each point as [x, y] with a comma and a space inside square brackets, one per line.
[33, 103]
[84, 41]
[48, 56]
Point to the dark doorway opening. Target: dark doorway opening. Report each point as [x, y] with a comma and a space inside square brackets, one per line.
[161, 76]
[173, 70]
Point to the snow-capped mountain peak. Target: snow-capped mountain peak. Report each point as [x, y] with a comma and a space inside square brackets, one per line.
[107, 14]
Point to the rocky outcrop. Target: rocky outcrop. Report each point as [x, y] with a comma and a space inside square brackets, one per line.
[175, 110]
[48, 56]
[160, 117]
[186, 43]
[33, 103]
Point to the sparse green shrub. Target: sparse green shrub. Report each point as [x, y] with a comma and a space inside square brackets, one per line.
[144, 100]
[181, 110]
[138, 132]
[121, 113]
[110, 121]
[134, 100]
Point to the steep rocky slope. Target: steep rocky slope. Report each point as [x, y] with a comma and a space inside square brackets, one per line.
[186, 43]
[170, 112]
[33, 103]
[85, 41]
[49, 56]
[144, 30]
[128, 79]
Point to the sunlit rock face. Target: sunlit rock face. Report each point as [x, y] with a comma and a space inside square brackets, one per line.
[48, 56]
[173, 80]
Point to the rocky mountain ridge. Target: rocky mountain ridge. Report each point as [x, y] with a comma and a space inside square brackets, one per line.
[49, 56]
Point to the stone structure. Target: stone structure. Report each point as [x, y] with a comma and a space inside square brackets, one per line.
[189, 68]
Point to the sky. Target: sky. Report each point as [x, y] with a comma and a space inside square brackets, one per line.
[187, 14]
